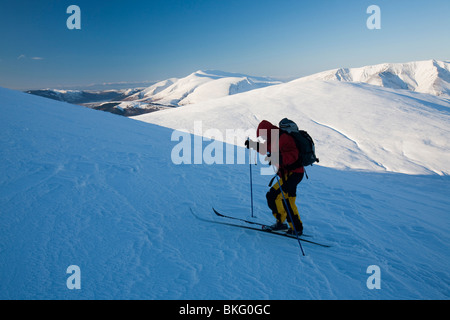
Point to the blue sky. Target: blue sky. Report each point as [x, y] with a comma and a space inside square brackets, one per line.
[137, 40]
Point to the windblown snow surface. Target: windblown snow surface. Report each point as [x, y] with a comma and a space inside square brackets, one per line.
[92, 189]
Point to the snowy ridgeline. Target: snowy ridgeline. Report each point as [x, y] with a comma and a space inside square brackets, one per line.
[200, 86]
[91, 189]
[430, 76]
[173, 92]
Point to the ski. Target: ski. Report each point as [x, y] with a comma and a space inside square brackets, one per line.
[248, 221]
[239, 219]
[258, 229]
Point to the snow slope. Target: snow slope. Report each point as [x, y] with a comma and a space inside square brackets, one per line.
[200, 86]
[356, 126]
[87, 188]
[154, 89]
[429, 76]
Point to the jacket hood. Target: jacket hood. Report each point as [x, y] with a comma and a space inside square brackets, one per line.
[265, 128]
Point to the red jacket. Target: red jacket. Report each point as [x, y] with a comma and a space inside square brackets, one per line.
[286, 146]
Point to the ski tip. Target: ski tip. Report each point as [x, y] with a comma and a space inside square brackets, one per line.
[216, 212]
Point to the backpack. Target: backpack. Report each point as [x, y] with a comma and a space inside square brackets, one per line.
[303, 141]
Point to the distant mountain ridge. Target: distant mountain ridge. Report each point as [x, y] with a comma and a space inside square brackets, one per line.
[196, 87]
[200, 86]
[429, 76]
[83, 96]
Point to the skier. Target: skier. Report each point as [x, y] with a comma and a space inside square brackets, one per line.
[282, 154]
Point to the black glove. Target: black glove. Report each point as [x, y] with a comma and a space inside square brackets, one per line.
[252, 144]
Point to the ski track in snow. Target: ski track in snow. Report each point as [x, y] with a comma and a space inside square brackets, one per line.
[100, 191]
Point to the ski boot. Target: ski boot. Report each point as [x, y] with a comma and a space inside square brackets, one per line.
[276, 227]
[298, 229]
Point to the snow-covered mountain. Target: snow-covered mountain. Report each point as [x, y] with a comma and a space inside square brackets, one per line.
[355, 125]
[196, 87]
[91, 189]
[430, 76]
[84, 96]
[200, 86]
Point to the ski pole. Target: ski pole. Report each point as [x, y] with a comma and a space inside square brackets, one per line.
[290, 216]
[251, 178]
